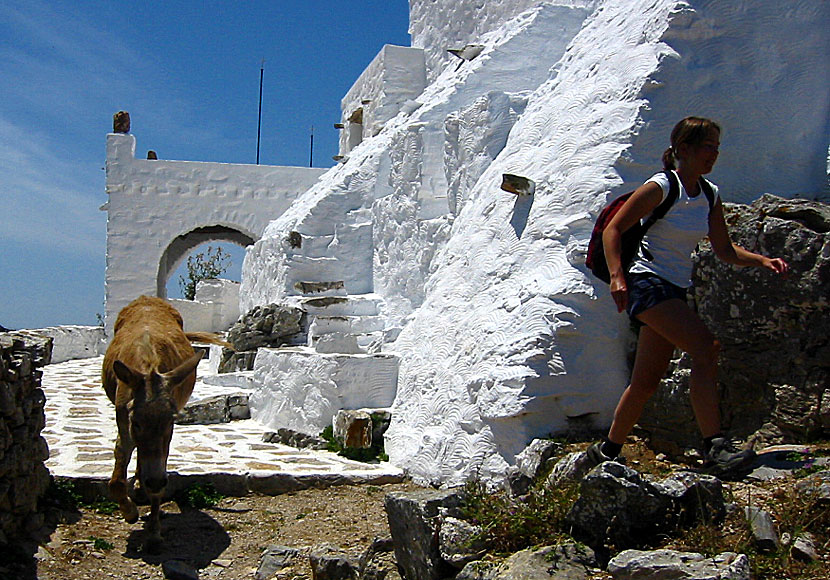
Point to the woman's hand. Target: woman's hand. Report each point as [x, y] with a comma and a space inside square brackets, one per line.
[777, 265]
[619, 292]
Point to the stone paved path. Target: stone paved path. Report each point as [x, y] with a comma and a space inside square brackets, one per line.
[80, 430]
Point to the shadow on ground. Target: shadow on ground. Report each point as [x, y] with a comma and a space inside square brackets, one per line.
[192, 536]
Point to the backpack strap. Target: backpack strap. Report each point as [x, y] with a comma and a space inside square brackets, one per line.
[706, 188]
[661, 210]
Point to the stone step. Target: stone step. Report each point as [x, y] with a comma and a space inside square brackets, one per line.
[321, 325]
[349, 305]
[243, 380]
[317, 288]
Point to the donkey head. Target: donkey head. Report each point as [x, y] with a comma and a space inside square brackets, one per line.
[152, 409]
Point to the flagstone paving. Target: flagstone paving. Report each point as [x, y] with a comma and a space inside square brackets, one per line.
[80, 430]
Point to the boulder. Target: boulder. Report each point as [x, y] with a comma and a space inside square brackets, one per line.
[637, 565]
[764, 535]
[270, 325]
[415, 521]
[617, 506]
[459, 542]
[329, 563]
[378, 561]
[274, 559]
[564, 562]
[773, 366]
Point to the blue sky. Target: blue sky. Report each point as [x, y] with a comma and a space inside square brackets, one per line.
[188, 73]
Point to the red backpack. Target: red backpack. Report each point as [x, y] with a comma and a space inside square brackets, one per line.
[631, 238]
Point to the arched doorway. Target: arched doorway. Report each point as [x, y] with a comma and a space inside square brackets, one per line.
[183, 244]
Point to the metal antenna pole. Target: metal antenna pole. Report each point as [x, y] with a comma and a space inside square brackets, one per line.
[259, 118]
[311, 149]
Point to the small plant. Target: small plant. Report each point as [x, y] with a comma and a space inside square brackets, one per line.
[509, 525]
[103, 506]
[62, 493]
[101, 544]
[203, 266]
[200, 496]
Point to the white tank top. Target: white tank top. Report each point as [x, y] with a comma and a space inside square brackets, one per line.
[671, 240]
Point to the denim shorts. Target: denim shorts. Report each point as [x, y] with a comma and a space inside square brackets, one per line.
[648, 290]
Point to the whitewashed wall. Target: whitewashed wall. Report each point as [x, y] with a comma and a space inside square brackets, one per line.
[504, 335]
[153, 202]
[437, 26]
[394, 77]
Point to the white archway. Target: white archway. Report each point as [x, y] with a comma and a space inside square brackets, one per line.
[159, 210]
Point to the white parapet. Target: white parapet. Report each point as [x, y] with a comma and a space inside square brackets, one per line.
[73, 342]
[300, 389]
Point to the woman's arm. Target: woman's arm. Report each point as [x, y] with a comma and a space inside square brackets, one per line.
[643, 201]
[732, 253]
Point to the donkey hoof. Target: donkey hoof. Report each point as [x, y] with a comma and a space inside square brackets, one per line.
[129, 511]
[153, 544]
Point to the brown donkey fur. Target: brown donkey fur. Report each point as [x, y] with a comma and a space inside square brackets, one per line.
[149, 372]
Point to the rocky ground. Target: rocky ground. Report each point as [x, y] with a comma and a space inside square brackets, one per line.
[223, 542]
[226, 541]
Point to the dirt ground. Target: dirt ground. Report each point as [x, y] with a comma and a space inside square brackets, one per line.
[224, 542]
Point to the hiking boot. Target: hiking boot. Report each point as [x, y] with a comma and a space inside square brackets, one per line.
[724, 458]
[596, 456]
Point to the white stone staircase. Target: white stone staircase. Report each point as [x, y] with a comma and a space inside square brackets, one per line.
[341, 367]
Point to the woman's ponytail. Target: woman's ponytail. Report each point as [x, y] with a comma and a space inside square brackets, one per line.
[668, 159]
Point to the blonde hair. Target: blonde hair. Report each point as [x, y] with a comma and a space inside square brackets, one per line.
[692, 131]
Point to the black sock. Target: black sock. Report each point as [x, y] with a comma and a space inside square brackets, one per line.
[707, 441]
[611, 449]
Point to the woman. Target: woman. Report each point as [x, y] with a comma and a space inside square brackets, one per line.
[654, 288]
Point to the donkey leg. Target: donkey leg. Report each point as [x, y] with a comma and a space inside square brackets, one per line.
[118, 486]
[154, 541]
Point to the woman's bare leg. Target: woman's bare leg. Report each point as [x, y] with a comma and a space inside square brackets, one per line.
[650, 362]
[679, 325]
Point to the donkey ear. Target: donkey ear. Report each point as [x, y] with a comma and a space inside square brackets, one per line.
[124, 373]
[179, 373]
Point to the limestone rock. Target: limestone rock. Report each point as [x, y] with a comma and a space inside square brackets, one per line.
[414, 521]
[529, 465]
[458, 543]
[764, 534]
[179, 570]
[617, 506]
[270, 325]
[565, 562]
[295, 439]
[804, 548]
[213, 410]
[273, 559]
[816, 484]
[571, 468]
[636, 565]
[329, 563]
[378, 561]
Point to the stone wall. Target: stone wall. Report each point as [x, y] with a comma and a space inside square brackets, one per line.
[775, 356]
[23, 475]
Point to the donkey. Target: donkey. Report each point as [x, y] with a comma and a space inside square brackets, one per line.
[148, 373]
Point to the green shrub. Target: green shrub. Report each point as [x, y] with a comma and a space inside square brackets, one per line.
[510, 524]
[199, 496]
